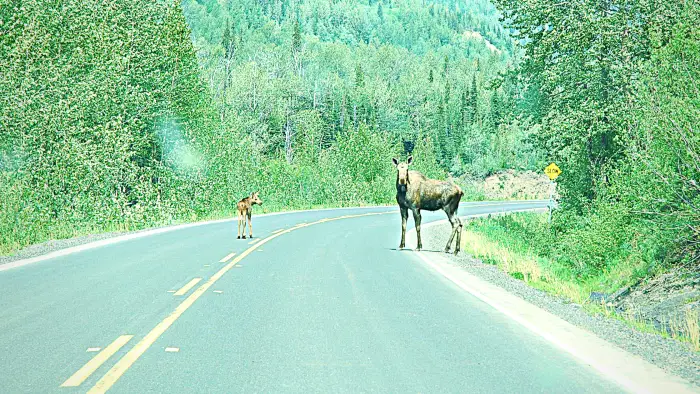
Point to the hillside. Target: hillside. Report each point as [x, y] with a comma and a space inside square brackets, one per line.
[283, 72]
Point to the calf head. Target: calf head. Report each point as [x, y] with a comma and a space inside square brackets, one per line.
[255, 198]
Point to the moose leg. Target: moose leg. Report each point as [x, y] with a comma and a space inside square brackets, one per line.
[404, 217]
[250, 225]
[416, 220]
[454, 222]
[240, 217]
[459, 235]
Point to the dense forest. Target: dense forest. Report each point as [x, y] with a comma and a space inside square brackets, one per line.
[102, 110]
[295, 78]
[618, 106]
[132, 114]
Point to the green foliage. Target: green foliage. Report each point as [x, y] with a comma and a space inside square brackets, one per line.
[597, 254]
[354, 65]
[81, 90]
[611, 91]
[664, 145]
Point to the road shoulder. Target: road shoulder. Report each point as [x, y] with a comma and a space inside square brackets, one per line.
[639, 361]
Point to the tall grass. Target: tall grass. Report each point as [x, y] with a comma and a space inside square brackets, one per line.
[525, 247]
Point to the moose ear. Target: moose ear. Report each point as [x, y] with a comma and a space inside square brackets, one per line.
[395, 161]
[410, 160]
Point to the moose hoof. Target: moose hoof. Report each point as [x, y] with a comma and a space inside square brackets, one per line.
[456, 251]
[447, 250]
[402, 246]
[239, 237]
[244, 237]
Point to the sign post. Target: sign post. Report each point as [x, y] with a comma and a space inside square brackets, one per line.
[552, 171]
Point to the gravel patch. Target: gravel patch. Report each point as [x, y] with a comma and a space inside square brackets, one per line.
[673, 356]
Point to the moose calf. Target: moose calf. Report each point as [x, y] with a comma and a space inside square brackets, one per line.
[245, 211]
[415, 192]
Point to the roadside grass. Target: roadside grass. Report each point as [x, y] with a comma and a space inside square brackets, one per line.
[520, 255]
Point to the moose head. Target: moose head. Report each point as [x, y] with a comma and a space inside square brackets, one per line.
[402, 180]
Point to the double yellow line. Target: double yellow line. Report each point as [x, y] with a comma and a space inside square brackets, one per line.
[83, 373]
[111, 377]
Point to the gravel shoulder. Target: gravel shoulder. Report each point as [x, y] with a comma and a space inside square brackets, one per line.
[54, 245]
[674, 357]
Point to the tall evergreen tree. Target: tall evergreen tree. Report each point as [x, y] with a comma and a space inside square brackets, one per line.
[473, 100]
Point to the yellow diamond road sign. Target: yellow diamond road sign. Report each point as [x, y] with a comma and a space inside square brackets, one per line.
[552, 171]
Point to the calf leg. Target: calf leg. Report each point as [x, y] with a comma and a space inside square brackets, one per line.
[250, 225]
[240, 218]
[404, 217]
[243, 216]
[416, 220]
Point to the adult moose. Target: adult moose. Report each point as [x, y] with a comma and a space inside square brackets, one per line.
[415, 192]
[245, 211]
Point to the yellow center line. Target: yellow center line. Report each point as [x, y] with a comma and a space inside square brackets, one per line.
[111, 377]
[83, 373]
[253, 241]
[227, 257]
[187, 287]
[277, 231]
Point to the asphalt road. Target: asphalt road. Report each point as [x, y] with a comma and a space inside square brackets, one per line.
[330, 306]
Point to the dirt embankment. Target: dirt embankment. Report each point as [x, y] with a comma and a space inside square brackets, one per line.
[669, 301]
[511, 184]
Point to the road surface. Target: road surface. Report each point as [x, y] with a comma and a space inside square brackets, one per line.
[313, 306]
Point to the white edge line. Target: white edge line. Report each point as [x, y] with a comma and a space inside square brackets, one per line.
[146, 233]
[550, 338]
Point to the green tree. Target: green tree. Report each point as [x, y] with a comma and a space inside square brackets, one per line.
[359, 76]
[109, 123]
